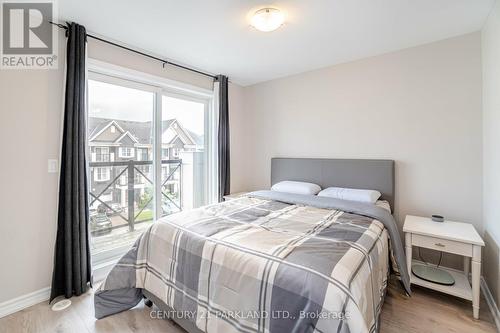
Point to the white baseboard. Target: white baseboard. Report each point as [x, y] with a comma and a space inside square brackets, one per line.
[491, 302]
[23, 302]
[42, 295]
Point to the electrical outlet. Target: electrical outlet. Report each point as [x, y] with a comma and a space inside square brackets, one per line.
[53, 166]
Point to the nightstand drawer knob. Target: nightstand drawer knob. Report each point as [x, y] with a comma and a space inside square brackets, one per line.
[440, 245]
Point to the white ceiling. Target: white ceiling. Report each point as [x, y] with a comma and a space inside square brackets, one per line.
[215, 36]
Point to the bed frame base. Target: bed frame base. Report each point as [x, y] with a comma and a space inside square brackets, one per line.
[184, 323]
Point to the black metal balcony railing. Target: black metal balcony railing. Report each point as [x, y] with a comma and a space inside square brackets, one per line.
[100, 222]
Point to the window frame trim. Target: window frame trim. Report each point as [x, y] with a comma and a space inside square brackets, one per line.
[143, 80]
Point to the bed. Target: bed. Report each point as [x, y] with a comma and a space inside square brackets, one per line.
[270, 261]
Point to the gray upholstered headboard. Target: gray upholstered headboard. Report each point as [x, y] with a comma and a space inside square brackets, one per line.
[351, 173]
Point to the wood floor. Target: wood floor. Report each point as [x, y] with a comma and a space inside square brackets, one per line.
[425, 311]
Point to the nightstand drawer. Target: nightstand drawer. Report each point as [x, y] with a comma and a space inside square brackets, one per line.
[448, 246]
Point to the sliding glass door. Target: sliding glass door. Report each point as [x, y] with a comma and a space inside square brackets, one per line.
[150, 155]
[183, 139]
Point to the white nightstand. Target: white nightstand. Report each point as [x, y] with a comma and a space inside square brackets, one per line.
[450, 237]
[234, 196]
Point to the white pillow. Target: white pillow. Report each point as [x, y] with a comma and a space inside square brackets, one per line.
[296, 187]
[352, 194]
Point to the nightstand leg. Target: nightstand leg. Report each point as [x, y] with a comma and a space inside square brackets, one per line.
[476, 273]
[467, 266]
[408, 252]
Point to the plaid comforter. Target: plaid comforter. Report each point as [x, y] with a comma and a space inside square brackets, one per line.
[258, 265]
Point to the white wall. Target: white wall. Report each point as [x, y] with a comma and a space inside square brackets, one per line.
[491, 148]
[120, 57]
[30, 120]
[420, 106]
[491, 122]
[237, 136]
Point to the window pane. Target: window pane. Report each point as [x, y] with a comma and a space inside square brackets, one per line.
[183, 155]
[120, 135]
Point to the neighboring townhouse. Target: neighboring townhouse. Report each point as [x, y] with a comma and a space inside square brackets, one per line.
[114, 142]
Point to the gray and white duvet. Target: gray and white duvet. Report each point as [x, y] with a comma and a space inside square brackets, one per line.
[267, 262]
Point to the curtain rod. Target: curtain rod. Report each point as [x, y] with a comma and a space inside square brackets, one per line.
[163, 61]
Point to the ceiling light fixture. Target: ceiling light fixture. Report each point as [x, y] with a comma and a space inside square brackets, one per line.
[267, 19]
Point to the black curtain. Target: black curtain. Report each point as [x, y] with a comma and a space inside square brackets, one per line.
[223, 138]
[72, 270]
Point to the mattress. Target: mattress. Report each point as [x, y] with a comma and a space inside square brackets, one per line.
[384, 204]
[263, 263]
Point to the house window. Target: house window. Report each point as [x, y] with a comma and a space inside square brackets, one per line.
[113, 129]
[141, 198]
[102, 174]
[143, 154]
[101, 154]
[126, 152]
[164, 153]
